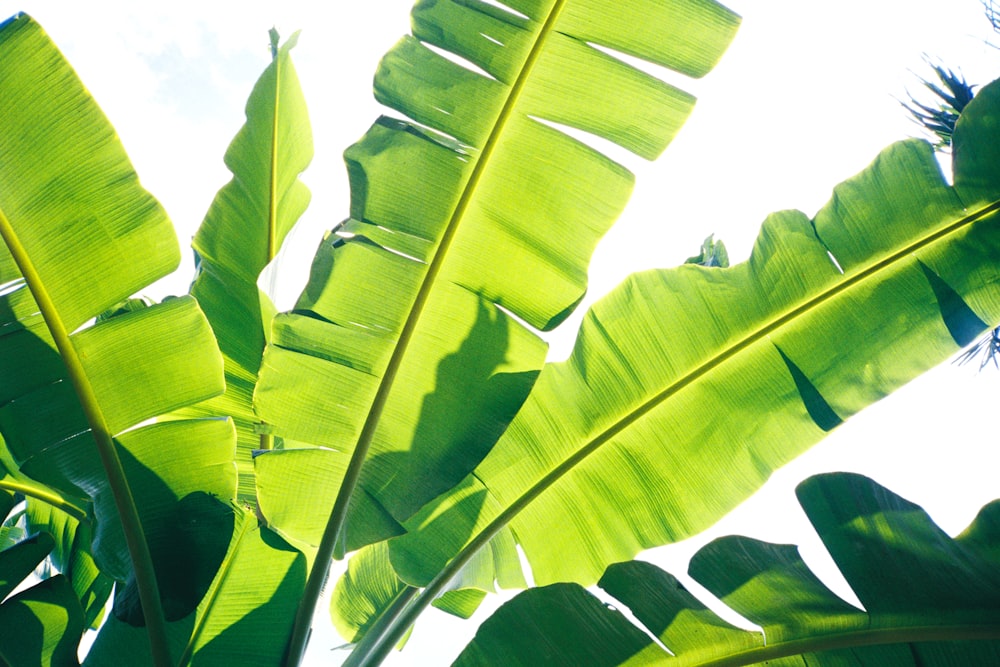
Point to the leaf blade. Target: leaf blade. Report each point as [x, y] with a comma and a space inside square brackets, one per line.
[241, 234]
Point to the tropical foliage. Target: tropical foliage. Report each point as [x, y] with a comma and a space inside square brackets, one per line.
[642, 435]
[208, 457]
[952, 94]
[925, 597]
[41, 623]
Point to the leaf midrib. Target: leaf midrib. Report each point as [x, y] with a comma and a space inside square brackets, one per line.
[358, 457]
[761, 333]
[266, 440]
[272, 208]
[451, 229]
[42, 494]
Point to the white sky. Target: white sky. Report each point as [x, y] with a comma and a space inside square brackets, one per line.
[805, 97]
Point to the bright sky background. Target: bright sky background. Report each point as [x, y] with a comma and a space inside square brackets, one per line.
[806, 97]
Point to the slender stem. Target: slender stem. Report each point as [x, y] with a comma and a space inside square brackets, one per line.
[373, 649]
[46, 496]
[135, 539]
[266, 441]
[272, 209]
[331, 534]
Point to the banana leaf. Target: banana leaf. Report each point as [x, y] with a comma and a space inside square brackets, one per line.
[72, 557]
[80, 236]
[369, 587]
[40, 623]
[928, 599]
[354, 611]
[242, 232]
[688, 387]
[413, 344]
[245, 605]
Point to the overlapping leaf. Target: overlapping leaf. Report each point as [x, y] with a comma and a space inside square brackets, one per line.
[42, 623]
[476, 208]
[928, 599]
[242, 232]
[10, 531]
[245, 608]
[688, 387]
[72, 557]
[370, 591]
[81, 235]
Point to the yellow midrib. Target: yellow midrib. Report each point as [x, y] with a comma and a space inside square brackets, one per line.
[272, 210]
[266, 440]
[468, 192]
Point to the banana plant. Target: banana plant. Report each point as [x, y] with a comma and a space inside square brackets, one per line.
[665, 109]
[407, 386]
[688, 387]
[928, 599]
[411, 348]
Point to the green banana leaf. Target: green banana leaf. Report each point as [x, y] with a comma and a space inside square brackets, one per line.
[72, 557]
[242, 232]
[14, 484]
[406, 349]
[928, 599]
[688, 387]
[80, 236]
[246, 605]
[41, 624]
[68, 519]
[353, 611]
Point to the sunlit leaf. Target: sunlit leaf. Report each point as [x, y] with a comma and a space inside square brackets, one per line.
[479, 215]
[241, 234]
[928, 599]
[245, 614]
